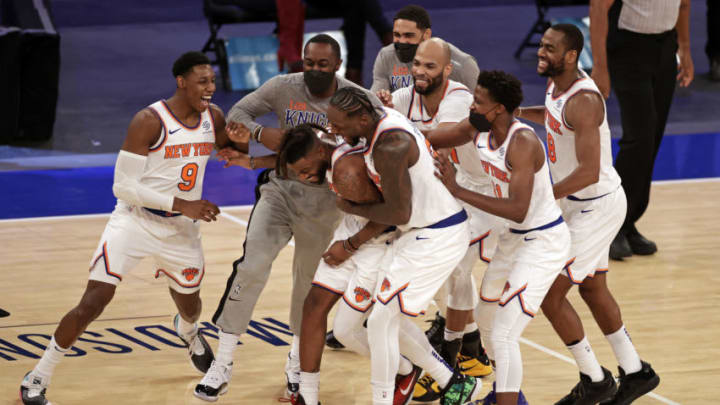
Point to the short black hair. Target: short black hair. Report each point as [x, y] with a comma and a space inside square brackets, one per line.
[503, 87]
[573, 37]
[297, 142]
[326, 39]
[416, 14]
[352, 100]
[187, 61]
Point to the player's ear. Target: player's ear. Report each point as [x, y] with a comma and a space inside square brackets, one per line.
[447, 70]
[339, 64]
[180, 81]
[426, 35]
[571, 57]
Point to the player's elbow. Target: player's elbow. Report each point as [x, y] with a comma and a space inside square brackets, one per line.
[518, 215]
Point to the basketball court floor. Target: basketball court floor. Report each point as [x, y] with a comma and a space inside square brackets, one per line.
[130, 355]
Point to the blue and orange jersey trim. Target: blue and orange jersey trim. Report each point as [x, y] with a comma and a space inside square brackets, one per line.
[172, 114]
[421, 106]
[163, 136]
[375, 136]
[398, 294]
[481, 240]
[357, 307]
[579, 79]
[106, 261]
[173, 278]
[518, 294]
[327, 287]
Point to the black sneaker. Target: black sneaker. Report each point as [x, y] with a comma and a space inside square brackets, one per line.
[639, 244]
[332, 342]
[436, 331]
[33, 388]
[587, 392]
[620, 248]
[201, 354]
[633, 386]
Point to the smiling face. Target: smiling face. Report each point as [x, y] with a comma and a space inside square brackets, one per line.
[431, 66]
[198, 86]
[350, 127]
[553, 56]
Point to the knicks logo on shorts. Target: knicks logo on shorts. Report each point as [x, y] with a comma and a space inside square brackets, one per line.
[361, 294]
[190, 273]
[385, 285]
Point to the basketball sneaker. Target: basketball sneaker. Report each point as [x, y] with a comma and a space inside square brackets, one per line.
[201, 354]
[33, 388]
[332, 342]
[473, 366]
[292, 376]
[491, 399]
[404, 386]
[215, 382]
[435, 332]
[426, 390]
[297, 399]
[587, 392]
[633, 386]
[459, 390]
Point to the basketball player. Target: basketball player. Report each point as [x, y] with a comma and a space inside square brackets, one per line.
[434, 239]
[158, 182]
[411, 26]
[285, 208]
[593, 204]
[350, 266]
[532, 251]
[435, 101]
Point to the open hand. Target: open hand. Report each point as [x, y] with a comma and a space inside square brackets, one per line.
[237, 132]
[385, 97]
[233, 157]
[445, 171]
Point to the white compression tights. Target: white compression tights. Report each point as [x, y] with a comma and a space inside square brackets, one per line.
[509, 324]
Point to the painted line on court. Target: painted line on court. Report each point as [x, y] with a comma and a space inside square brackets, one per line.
[567, 359]
[97, 320]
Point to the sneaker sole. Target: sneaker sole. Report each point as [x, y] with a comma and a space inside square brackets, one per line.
[204, 397]
[651, 385]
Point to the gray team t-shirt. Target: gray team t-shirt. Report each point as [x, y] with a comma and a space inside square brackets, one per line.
[288, 97]
[391, 74]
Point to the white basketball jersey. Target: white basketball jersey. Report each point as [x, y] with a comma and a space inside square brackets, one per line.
[176, 163]
[542, 209]
[561, 141]
[431, 201]
[454, 107]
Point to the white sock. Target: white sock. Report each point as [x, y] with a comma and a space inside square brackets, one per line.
[624, 350]
[405, 367]
[383, 393]
[451, 335]
[586, 360]
[470, 328]
[292, 365]
[50, 358]
[309, 387]
[185, 328]
[226, 348]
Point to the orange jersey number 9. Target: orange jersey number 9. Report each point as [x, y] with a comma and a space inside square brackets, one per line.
[189, 174]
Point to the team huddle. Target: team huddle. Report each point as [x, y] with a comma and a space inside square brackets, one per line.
[393, 196]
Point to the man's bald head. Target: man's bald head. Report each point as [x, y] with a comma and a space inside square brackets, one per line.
[435, 49]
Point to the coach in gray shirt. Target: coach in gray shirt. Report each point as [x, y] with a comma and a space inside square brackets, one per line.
[411, 26]
[284, 207]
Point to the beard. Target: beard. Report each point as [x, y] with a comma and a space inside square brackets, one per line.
[433, 83]
[552, 70]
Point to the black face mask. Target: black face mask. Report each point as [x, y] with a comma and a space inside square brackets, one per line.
[405, 52]
[479, 122]
[317, 81]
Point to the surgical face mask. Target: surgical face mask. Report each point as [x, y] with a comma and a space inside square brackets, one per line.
[405, 52]
[479, 121]
[318, 81]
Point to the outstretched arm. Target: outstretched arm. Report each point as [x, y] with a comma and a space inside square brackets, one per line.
[449, 135]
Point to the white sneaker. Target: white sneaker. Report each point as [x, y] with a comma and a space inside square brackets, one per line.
[33, 388]
[215, 382]
[201, 354]
[292, 374]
